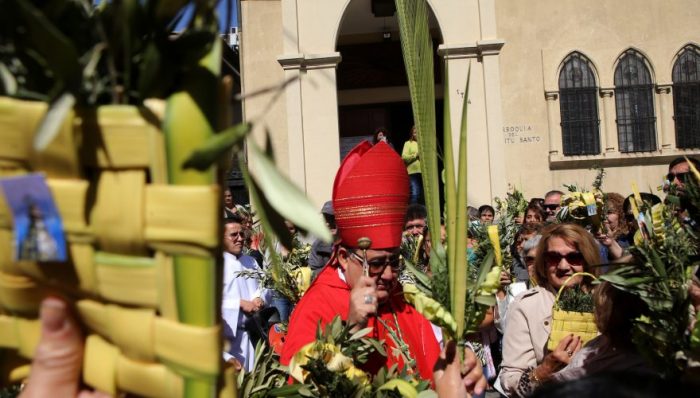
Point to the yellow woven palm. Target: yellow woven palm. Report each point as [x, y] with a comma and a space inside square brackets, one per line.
[564, 323]
[153, 328]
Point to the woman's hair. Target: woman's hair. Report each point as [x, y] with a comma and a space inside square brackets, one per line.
[614, 203]
[615, 312]
[376, 134]
[573, 235]
[537, 208]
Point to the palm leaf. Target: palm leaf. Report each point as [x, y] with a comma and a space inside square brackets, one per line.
[460, 268]
[417, 49]
[451, 210]
[285, 197]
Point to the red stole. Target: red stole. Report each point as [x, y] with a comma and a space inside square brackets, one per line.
[329, 296]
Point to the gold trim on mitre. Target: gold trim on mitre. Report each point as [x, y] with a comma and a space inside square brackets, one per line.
[350, 212]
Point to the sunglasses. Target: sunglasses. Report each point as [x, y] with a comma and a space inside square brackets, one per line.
[377, 266]
[550, 207]
[234, 235]
[529, 260]
[573, 258]
[681, 176]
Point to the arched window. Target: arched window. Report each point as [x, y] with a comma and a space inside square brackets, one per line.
[634, 101]
[578, 101]
[686, 98]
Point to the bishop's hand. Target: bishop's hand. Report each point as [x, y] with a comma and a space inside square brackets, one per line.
[363, 302]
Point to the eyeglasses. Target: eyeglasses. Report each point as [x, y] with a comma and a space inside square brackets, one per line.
[681, 176]
[378, 265]
[573, 258]
[529, 260]
[551, 207]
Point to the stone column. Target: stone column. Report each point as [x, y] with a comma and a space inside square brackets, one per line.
[666, 127]
[459, 59]
[486, 149]
[313, 133]
[608, 142]
[553, 121]
[489, 50]
[292, 65]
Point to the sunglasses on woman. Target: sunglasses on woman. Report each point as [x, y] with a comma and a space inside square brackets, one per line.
[573, 258]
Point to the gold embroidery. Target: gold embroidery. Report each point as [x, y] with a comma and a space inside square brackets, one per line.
[374, 175]
[346, 227]
[369, 210]
[357, 197]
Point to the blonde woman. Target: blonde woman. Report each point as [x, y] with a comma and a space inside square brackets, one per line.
[564, 249]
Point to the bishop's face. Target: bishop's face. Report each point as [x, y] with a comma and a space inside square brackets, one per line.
[383, 266]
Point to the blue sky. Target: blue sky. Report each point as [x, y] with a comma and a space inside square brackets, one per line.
[221, 10]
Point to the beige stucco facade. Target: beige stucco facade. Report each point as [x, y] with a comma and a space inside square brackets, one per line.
[515, 49]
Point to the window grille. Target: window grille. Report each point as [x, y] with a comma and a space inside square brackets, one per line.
[686, 98]
[578, 102]
[634, 101]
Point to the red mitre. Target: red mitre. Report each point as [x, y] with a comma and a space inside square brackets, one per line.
[370, 196]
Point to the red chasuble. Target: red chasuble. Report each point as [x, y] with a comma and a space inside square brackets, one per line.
[330, 296]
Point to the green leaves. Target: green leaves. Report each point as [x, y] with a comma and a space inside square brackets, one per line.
[217, 146]
[267, 377]
[450, 278]
[695, 337]
[55, 48]
[117, 52]
[659, 275]
[576, 300]
[430, 309]
[285, 198]
[417, 49]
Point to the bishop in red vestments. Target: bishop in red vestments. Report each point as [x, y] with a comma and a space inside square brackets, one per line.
[370, 195]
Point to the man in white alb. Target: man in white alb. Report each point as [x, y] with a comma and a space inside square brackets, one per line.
[241, 296]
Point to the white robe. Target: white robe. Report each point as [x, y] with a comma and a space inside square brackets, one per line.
[237, 289]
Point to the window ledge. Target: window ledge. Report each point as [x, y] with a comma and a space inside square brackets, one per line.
[618, 159]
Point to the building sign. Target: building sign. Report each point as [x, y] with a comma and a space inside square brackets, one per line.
[520, 134]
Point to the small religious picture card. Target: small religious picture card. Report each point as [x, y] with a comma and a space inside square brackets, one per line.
[38, 230]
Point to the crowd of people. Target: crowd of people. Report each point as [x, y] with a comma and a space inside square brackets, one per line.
[548, 254]
[358, 277]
